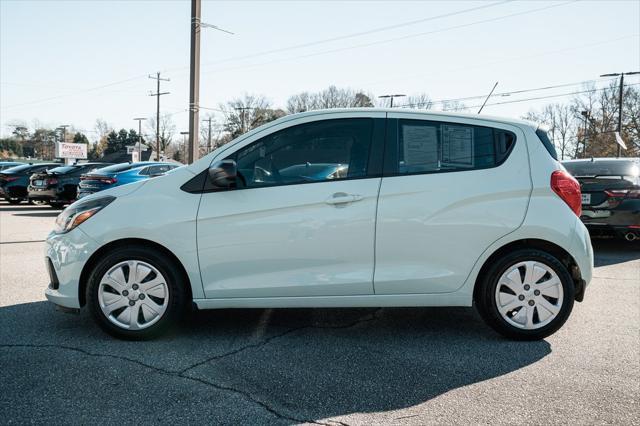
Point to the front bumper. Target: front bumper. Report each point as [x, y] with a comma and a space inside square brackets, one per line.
[68, 253]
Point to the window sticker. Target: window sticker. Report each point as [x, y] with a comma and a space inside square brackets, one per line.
[420, 145]
[457, 146]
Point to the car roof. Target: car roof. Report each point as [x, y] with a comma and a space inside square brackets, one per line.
[594, 159]
[441, 114]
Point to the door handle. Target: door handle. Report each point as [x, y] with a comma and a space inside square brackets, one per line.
[343, 198]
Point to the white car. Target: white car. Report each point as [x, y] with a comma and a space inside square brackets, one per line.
[429, 209]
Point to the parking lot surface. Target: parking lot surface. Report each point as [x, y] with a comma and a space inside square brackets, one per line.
[325, 366]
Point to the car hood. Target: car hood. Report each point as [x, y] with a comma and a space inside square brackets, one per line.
[118, 191]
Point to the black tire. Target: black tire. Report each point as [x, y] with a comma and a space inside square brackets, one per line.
[174, 280]
[486, 300]
[13, 201]
[55, 205]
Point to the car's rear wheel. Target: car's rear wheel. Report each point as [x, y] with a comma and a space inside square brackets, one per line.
[136, 293]
[526, 295]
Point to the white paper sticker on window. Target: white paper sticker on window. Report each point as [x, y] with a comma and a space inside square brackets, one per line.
[457, 146]
[420, 145]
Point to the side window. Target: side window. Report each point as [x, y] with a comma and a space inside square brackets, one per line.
[158, 170]
[431, 146]
[312, 152]
[144, 171]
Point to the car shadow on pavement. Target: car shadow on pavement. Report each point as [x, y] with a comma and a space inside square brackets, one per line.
[53, 213]
[25, 208]
[614, 251]
[299, 365]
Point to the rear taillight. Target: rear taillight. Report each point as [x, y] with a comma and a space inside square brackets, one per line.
[567, 188]
[623, 193]
[52, 181]
[103, 179]
[9, 178]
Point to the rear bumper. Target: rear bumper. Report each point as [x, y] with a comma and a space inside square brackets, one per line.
[50, 194]
[42, 194]
[582, 253]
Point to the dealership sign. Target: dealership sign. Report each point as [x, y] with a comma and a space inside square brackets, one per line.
[71, 150]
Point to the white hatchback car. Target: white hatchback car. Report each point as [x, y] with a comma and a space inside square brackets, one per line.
[337, 208]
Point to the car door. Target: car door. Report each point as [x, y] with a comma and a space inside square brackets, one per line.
[295, 226]
[452, 187]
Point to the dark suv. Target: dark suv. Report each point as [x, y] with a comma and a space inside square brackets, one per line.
[58, 186]
[14, 181]
[610, 195]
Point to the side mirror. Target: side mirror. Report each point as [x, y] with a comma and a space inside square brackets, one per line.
[223, 174]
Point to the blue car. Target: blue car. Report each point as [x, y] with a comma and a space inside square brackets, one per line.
[121, 174]
[9, 164]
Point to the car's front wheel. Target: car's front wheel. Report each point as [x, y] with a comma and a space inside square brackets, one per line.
[136, 293]
[13, 201]
[526, 295]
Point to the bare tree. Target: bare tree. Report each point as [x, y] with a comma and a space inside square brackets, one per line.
[300, 103]
[419, 101]
[248, 112]
[455, 106]
[331, 97]
[167, 131]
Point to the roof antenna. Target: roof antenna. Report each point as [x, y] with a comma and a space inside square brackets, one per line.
[485, 101]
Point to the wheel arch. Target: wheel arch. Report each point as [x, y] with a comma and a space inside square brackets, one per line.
[532, 243]
[128, 242]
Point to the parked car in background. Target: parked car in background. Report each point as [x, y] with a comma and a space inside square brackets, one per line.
[59, 186]
[9, 164]
[337, 208]
[15, 181]
[610, 195]
[120, 174]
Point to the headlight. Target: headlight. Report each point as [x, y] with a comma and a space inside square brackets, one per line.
[79, 212]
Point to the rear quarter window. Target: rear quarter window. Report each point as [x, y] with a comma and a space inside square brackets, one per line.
[544, 138]
[431, 146]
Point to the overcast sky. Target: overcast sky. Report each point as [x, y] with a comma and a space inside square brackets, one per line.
[71, 62]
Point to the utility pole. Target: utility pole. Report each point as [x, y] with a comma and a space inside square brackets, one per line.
[391, 97]
[158, 94]
[208, 135]
[485, 101]
[185, 142]
[621, 74]
[63, 127]
[139, 120]
[194, 82]
[587, 116]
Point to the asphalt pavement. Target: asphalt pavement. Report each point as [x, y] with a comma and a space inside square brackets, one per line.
[323, 366]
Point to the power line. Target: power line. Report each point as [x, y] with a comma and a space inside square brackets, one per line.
[467, 98]
[384, 41]
[353, 35]
[103, 86]
[328, 40]
[548, 97]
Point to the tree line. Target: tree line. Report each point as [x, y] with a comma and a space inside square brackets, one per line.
[581, 127]
[585, 126]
